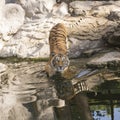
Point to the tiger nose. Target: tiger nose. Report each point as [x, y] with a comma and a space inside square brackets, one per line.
[60, 67]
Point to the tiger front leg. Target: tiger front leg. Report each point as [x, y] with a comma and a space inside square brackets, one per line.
[49, 70]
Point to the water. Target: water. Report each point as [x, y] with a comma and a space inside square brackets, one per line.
[116, 113]
[33, 100]
[106, 116]
[101, 115]
[12, 102]
[23, 102]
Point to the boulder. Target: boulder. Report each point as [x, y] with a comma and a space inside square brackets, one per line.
[11, 13]
[89, 8]
[35, 7]
[110, 60]
[60, 10]
[2, 4]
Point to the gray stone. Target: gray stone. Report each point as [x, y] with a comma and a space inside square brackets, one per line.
[97, 8]
[114, 15]
[79, 47]
[104, 10]
[11, 13]
[31, 41]
[60, 10]
[10, 1]
[3, 67]
[35, 7]
[106, 60]
[114, 39]
[2, 4]
[80, 7]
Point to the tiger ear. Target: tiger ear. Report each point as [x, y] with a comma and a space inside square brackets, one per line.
[52, 54]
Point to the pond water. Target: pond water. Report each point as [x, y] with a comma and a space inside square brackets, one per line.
[103, 114]
[30, 100]
[23, 102]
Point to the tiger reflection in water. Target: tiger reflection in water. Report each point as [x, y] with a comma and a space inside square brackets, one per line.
[58, 59]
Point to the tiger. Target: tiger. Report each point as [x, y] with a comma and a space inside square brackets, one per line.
[58, 58]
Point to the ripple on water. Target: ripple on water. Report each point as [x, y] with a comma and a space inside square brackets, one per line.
[23, 93]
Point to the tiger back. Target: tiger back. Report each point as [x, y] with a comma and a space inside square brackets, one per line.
[58, 59]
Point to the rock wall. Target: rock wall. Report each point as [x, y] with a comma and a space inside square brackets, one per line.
[10, 13]
[90, 26]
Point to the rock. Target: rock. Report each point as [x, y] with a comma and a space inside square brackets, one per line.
[1, 44]
[104, 10]
[3, 67]
[88, 8]
[114, 39]
[60, 10]
[110, 60]
[100, 69]
[31, 40]
[80, 7]
[114, 15]
[12, 13]
[35, 7]
[79, 47]
[2, 4]
[26, 44]
[10, 1]
[25, 48]
[3, 75]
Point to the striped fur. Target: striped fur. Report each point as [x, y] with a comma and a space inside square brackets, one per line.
[58, 60]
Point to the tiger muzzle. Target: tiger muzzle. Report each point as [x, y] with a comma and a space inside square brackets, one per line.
[60, 69]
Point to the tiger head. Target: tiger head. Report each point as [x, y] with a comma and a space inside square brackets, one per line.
[60, 62]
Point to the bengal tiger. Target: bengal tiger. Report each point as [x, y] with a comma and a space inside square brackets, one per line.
[58, 59]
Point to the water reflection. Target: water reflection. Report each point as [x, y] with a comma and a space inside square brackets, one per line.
[104, 108]
[12, 102]
[26, 101]
[12, 109]
[22, 93]
[100, 114]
